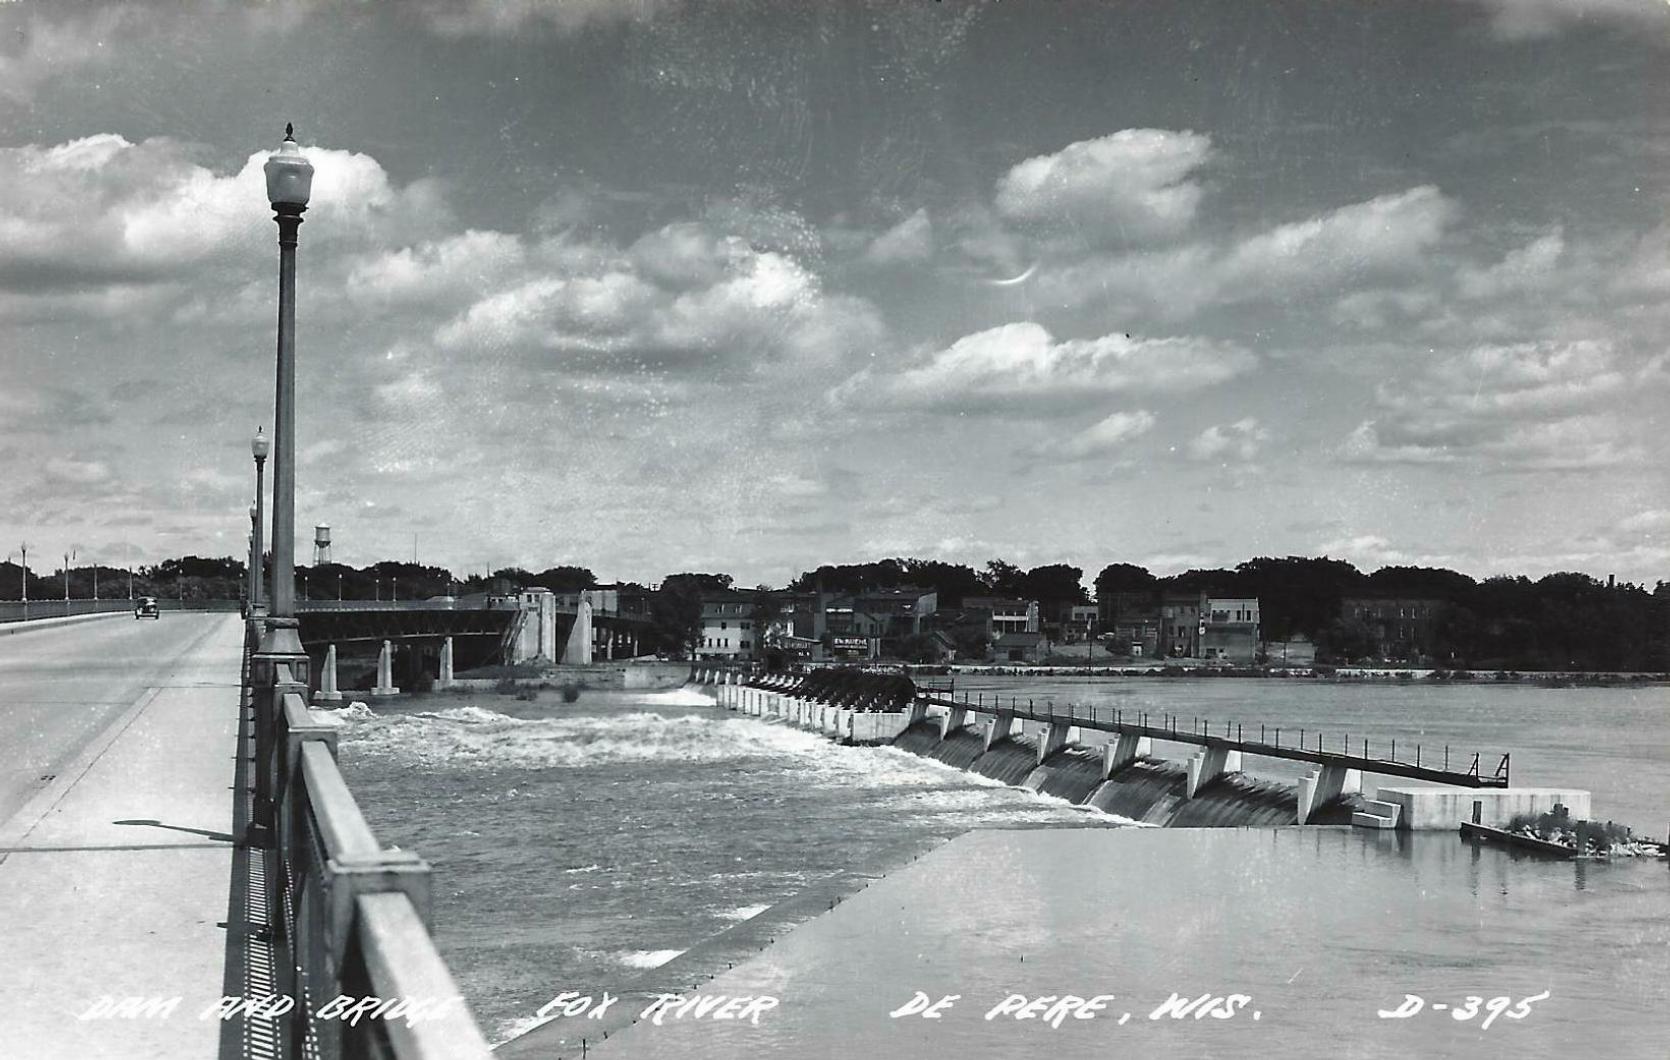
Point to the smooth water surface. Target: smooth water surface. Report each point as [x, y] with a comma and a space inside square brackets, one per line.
[1614, 742]
[1320, 929]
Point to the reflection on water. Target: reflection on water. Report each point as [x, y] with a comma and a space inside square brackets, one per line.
[1323, 928]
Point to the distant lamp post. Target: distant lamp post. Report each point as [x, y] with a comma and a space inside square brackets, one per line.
[257, 516]
[67, 557]
[289, 182]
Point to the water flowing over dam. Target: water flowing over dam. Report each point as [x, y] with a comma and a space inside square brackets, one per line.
[1148, 790]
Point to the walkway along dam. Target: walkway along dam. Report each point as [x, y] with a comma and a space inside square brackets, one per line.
[1105, 758]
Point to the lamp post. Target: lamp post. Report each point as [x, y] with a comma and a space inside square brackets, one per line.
[67, 557]
[257, 517]
[25, 549]
[289, 181]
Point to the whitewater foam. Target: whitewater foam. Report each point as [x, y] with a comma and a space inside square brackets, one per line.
[646, 958]
[680, 697]
[742, 912]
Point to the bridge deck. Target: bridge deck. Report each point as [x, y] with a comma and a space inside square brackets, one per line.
[115, 875]
[1232, 738]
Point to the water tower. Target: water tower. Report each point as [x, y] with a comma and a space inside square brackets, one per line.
[321, 545]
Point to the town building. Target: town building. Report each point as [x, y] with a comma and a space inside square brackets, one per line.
[1297, 652]
[1229, 629]
[728, 626]
[1402, 627]
[1021, 647]
[1180, 625]
[1078, 622]
[1008, 614]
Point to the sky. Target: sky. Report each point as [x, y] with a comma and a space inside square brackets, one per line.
[651, 286]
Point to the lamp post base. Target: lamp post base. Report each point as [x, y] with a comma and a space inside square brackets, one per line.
[281, 644]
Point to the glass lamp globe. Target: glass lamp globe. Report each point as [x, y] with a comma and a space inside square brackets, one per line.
[289, 174]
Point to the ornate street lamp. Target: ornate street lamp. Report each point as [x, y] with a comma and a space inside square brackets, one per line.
[257, 517]
[289, 182]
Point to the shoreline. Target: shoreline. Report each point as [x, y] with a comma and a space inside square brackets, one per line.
[1330, 674]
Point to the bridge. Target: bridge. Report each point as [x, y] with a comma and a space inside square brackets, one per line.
[429, 640]
[169, 803]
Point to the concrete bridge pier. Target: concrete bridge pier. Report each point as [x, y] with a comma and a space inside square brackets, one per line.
[952, 720]
[1056, 736]
[445, 678]
[1208, 765]
[385, 672]
[999, 728]
[1324, 785]
[328, 692]
[1121, 752]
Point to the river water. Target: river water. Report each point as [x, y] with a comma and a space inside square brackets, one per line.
[578, 845]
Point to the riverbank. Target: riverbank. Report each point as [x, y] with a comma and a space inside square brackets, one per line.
[1546, 678]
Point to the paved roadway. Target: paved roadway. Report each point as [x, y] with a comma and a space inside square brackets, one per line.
[61, 685]
[115, 875]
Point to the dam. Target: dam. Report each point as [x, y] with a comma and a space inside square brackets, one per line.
[1104, 759]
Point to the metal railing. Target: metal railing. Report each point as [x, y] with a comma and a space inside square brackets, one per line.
[350, 917]
[1307, 745]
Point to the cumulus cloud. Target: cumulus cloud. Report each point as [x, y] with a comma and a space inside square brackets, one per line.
[505, 18]
[1535, 379]
[1240, 440]
[1533, 267]
[1529, 19]
[1653, 521]
[684, 296]
[77, 472]
[1022, 369]
[101, 210]
[1133, 184]
[1527, 406]
[435, 269]
[1387, 232]
[910, 240]
[1104, 438]
[1388, 236]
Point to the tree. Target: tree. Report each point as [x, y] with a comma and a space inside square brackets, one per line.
[676, 608]
[1349, 639]
[1054, 586]
[565, 579]
[1124, 578]
[1002, 578]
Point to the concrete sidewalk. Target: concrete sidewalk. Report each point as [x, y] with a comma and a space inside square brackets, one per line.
[114, 880]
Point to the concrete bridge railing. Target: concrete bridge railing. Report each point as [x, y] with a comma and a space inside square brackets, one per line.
[350, 917]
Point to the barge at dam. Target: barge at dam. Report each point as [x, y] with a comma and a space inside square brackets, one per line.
[1103, 759]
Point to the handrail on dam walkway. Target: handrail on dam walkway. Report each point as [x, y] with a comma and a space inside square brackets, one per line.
[349, 918]
[864, 690]
[1201, 732]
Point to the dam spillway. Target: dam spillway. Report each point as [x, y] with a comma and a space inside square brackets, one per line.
[1149, 790]
[1144, 789]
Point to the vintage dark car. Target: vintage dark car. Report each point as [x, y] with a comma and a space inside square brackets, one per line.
[147, 608]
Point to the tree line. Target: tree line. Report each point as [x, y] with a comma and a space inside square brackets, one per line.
[1561, 621]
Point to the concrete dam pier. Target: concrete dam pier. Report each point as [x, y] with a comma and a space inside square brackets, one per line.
[1044, 749]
